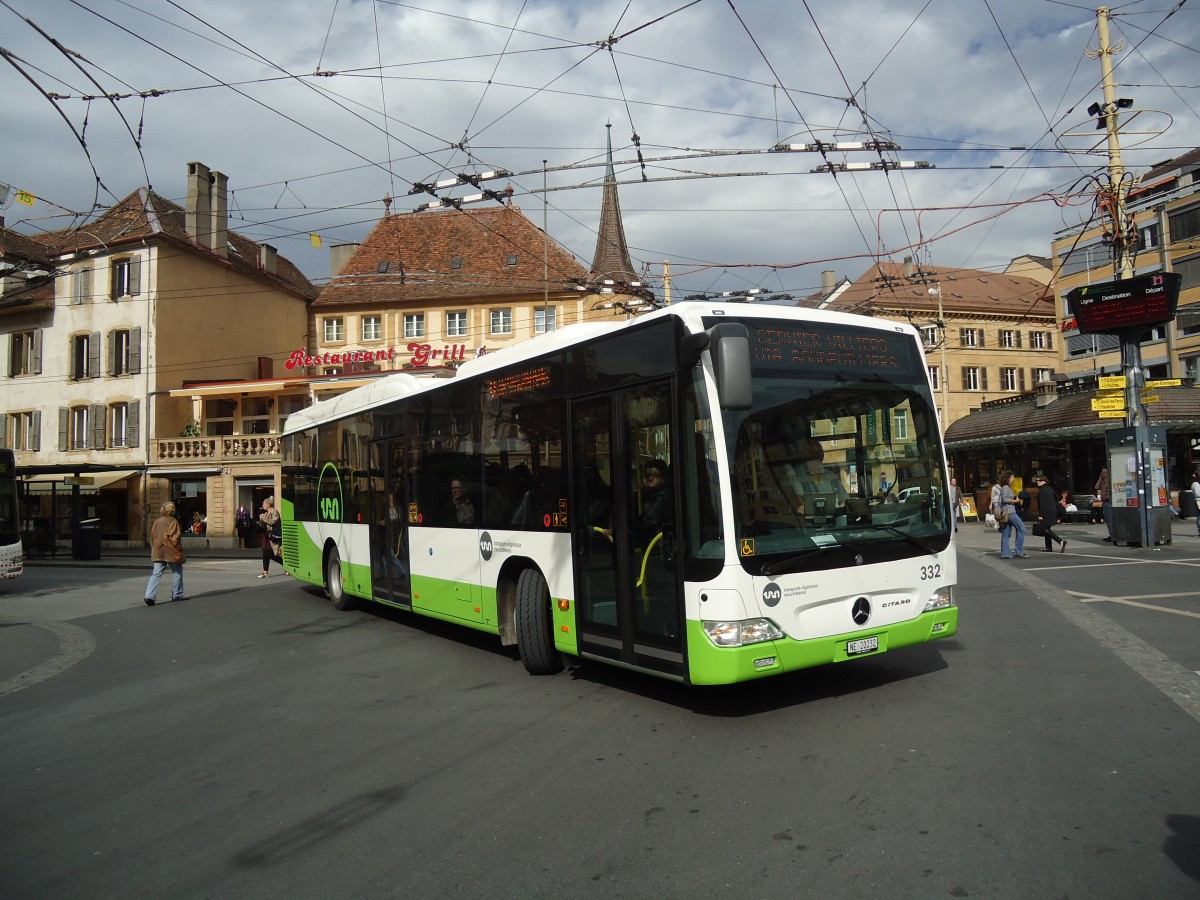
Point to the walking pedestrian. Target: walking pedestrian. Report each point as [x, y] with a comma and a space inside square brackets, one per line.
[1048, 515]
[272, 539]
[166, 551]
[956, 501]
[1196, 494]
[1104, 492]
[1009, 502]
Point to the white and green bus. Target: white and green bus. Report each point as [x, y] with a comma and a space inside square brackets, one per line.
[710, 493]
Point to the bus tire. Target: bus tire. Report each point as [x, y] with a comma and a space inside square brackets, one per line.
[334, 589]
[534, 638]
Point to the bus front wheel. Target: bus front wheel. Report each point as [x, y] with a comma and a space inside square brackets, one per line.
[334, 589]
[534, 637]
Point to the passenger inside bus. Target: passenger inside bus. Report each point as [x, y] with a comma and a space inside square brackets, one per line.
[657, 503]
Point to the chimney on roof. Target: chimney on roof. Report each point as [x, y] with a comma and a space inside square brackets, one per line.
[1046, 392]
[220, 214]
[909, 268]
[828, 282]
[339, 255]
[198, 212]
[268, 258]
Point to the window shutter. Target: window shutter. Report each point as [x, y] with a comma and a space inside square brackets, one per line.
[93, 363]
[962, 337]
[983, 378]
[135, 350]
[35, 362]
[1021, 379]
[11, 369]
[3, 431]
[966, 378]
[131, 424]
[37, 429]
[979, 337]
[112, 353]
[135, 275]
[1019, 340]
[1049, 340]
[64, 429]
[96, 427]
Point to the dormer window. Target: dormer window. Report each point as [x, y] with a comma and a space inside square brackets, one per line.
[456, 262]
[511, 259]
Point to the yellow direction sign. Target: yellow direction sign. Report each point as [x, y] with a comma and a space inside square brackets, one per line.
[1108, 403]
[1111, 414]
[1149, 398]
[1164, 382]
[1111, 382]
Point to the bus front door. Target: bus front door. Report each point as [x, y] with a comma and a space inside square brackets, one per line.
[628, 601]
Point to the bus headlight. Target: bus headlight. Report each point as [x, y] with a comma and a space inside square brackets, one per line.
[739, 634]
[942, 598]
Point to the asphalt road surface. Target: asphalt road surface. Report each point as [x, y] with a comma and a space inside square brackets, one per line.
[253, 742]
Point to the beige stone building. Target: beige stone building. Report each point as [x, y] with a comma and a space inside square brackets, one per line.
[986, 335]
[100, 323]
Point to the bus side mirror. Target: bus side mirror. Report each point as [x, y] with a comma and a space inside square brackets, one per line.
[729, 344]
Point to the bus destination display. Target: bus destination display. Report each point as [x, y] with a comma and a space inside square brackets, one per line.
[1127, 303]
[830, 348]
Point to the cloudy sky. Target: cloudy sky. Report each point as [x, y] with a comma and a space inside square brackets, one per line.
[317, 109]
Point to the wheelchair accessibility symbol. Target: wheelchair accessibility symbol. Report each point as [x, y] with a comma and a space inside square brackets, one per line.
[746, 547]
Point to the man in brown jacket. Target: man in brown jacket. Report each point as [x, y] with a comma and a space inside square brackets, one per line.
[166, 549]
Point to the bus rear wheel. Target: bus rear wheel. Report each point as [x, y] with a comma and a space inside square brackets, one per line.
[534, 637]
[334, 589]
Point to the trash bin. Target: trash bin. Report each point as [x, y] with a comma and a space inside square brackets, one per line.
[87, 540]
[1187, 504]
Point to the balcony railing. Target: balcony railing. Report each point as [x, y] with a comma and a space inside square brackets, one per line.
[221, 450]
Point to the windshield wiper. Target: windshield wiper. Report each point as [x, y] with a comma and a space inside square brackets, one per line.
[785, 564]
[911, 538]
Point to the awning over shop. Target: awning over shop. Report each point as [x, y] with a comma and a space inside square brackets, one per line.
[88, 483]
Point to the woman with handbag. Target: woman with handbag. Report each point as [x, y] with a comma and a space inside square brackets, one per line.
[272, 538]
[1010, 520]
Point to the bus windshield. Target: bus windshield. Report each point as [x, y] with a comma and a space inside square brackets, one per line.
[839, 457]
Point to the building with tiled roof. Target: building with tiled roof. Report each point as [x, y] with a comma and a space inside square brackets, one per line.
[100, 322]
[986, 335]
[437, 287]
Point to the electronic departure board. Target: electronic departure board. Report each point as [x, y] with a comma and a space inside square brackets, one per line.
[1138, 302]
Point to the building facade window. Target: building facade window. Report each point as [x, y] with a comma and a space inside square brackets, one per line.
[82, 286]
[256, 415]
[118, 422]
[1010, 339]
[25, 353]
[971, 337]
[1039, 340]
[1012, 379]
[372, 328]
[125, 351]
[900, 425]
[929, 335]
[974, 378]
[545, 319]
[334, 330]
[1040, 375]
[414, 325]
[126, 277]
[85, 356]
[1185, 224]
[456, 324]
[25, 430]
[218, 416]
[935, 378]
[501, 321]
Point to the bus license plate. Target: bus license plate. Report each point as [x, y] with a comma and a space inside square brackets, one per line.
[862, 645]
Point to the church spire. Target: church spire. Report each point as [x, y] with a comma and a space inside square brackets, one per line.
[612, 261]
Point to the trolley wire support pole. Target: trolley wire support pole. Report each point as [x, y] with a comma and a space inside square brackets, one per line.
[1124, 237]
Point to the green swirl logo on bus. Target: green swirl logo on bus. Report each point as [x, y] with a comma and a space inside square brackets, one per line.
[330, 501]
